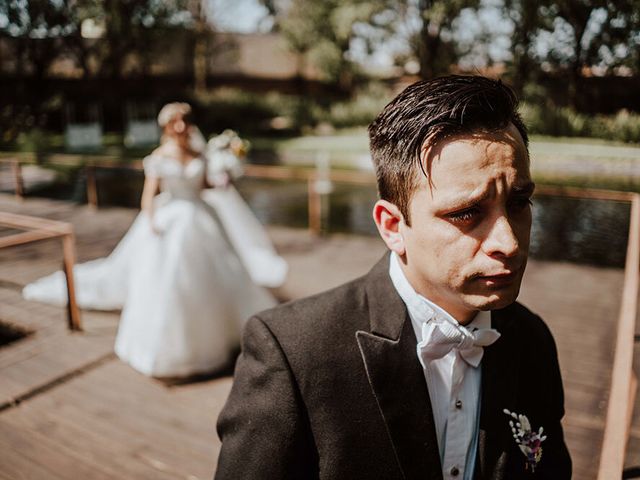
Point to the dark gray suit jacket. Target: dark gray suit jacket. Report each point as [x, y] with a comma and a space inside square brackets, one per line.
[330, 387]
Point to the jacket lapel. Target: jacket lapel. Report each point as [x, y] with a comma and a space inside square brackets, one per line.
[500, 367]
[396, 378]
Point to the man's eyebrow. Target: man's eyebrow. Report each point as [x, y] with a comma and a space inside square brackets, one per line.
[463, 200]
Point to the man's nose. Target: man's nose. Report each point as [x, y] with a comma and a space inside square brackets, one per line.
[501, 239]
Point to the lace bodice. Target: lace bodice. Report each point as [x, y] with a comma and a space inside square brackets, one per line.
[180, 181]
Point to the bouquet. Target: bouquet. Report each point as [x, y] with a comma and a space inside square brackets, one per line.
[225, 153]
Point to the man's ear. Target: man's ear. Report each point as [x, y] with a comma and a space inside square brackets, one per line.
[388, 219]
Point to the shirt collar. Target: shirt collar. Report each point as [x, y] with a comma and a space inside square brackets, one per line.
[422, 307]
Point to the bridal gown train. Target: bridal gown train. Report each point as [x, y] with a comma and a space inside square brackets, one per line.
[185, 292]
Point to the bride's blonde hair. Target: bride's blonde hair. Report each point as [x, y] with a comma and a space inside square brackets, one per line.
[170, 110]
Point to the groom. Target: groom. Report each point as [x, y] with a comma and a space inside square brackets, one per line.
[426, 367]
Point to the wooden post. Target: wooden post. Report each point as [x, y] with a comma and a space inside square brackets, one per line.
[315, 206]
[92, 186]
[17, 175]
[623, 382]
[68, 248]
[40, 229]
[633, 389]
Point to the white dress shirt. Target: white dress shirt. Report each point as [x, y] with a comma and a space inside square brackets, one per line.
[453, 384]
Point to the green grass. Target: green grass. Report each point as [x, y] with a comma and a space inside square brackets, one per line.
[620, 184]
[356, 140]
[580, 140]
[567, 160]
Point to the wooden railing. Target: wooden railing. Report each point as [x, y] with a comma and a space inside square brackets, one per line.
[317, 183]
[623, 382]
[36, 229]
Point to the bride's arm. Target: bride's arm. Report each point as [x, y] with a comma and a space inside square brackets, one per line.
[207, 181]
[151, 187]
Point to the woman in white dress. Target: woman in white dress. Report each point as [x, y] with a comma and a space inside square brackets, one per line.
[182, 287]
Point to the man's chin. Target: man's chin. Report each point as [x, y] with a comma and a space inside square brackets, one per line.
[494, 301]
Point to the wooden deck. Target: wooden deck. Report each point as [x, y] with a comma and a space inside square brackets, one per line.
[70, 409]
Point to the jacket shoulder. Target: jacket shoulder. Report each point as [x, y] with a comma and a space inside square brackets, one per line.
[528, 329]
[319, 312]
[527, 321]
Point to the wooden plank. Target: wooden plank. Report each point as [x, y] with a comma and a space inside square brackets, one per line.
[26, 237]
[183, 439]
[71, 431]
[42, 451]
[616, 430]
[43, 229]
[18, 465]
[34, 223]
[47, 361]
[171, 429]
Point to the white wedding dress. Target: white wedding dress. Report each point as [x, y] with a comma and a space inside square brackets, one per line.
[184, 293]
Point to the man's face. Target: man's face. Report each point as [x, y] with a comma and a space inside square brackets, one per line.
[467, 246]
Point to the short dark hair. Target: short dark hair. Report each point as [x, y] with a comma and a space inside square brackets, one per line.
[429, 111]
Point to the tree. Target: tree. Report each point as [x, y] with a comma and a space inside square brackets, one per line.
[577, 15]
[42, 32]
[323, 33]
[326, 31]
[618, 41]
[37, 27]
[572, 37]
[526, 25]
[435, 44]
[133, 26]
[578, 35]
[46, 30]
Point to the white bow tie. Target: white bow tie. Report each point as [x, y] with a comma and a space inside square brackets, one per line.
[440, 336]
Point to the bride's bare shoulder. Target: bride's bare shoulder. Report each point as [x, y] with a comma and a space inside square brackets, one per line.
[165, 150]
[159, 151]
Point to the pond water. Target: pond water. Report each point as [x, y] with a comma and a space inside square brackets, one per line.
[582, 231]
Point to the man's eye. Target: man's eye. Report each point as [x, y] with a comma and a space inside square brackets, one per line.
[464, 216]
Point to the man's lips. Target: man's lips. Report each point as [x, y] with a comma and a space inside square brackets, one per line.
[500, 278]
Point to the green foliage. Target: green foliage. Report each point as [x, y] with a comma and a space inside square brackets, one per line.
[565, 122]
[624, 126]
[253, 113]
[34, 140]
[322, 32]
[243, 111]
[360, 110]
[576, 35]
[45, 30]
[329, 58]
[436, 46]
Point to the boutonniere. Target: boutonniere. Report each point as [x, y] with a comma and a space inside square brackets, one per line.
[529, 442]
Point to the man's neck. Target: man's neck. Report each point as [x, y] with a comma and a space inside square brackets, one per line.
[461, 315]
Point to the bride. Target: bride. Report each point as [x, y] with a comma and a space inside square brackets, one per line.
[182, 287]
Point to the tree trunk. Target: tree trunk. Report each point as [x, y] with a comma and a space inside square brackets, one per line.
[428, 50]
[575, 91]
